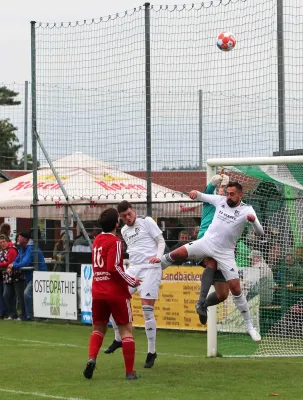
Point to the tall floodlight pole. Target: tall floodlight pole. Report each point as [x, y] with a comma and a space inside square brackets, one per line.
[34, 142]
[25, 123]
[200, 130]
[148, 109]
[281, 77]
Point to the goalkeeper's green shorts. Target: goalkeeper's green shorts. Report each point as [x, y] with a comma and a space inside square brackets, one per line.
[219, 276]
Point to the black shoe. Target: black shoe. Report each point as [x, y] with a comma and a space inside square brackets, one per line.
[113, 347]
[202, 311]
[132, 376]
[150, 360]
[89, 370]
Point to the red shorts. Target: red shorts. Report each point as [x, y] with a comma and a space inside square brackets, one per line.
[120, 309]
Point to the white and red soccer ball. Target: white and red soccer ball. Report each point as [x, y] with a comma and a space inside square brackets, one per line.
[226, 41]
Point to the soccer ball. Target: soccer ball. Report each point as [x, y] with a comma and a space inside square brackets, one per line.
[226, 41]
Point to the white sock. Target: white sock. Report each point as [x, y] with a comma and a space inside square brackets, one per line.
[116, 330]
[242, 306]
[150, 327]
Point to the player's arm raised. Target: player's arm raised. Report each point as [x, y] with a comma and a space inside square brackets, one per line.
[207, 198]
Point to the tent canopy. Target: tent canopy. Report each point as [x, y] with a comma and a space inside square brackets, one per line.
[91, 186]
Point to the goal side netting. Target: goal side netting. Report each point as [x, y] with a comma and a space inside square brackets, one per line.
[270, 267]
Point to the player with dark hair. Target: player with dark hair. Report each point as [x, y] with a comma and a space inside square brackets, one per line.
[220, 240]
[145, 246]
[110, 294]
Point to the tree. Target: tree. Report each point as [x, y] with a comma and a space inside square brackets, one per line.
[7, 97]
[9, 142]
[9, 145]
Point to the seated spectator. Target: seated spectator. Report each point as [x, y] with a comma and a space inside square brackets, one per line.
[59, 254]
[25, 259]
[13, 281]
[294, 271]
[81, 245]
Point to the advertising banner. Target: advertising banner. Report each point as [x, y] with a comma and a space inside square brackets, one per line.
[55, 295]
[175, 308]
[86, 293]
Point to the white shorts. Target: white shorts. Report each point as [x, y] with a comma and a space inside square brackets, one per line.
[151, 280]
[226, 262]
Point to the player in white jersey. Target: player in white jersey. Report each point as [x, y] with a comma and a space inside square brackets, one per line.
[145, 246]
[220, 240]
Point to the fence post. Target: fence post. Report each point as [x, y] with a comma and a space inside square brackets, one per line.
[148, 109]
[281, 77]
[34, 142]
[25, 123]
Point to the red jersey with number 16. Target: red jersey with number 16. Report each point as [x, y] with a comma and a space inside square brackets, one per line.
[109, 277]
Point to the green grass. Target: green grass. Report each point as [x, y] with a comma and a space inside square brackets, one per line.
[35, 359]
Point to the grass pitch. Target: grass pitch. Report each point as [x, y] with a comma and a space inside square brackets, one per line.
[46, 360]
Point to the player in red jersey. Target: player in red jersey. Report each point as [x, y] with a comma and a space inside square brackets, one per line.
[110, 294]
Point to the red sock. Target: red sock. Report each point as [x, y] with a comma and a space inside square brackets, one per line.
[95, 343]
[128, 349]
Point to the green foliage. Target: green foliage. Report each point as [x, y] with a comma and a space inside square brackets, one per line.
[9, 145]
[9, 142]
[7, 97]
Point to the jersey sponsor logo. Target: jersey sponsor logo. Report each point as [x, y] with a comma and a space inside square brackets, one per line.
[190, 243]
[237, 212]
[132, 238]
[222, 205]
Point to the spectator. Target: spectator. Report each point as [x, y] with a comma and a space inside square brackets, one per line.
[3, 309]
[183, 238]
[59, 253]
[195, 232]
[25, 261]
[13, 281]
[5, 229]
[81, 245]
[264, 284]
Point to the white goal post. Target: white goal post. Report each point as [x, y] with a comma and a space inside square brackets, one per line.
[212, 167]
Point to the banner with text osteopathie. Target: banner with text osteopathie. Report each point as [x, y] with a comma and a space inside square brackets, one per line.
[55, 295]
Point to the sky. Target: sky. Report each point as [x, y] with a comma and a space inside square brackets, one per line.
[15, 17]
[91, 80]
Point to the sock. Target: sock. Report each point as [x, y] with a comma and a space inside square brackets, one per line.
[150, 327]
[212, 300]
[207, 280]
[116, 330]
[242, 306]
[95, 343]
[128, 349]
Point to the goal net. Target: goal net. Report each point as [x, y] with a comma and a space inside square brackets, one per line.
[270, 267]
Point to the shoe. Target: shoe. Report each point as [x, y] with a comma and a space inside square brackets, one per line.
[8, 319]
[132, 376]
[254, 335]
[89, 370]
[113, 347]
[150, 360]
[202, 311]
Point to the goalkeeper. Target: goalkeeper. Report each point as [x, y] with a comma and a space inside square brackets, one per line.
[211, 275]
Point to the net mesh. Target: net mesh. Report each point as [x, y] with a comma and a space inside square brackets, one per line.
[271, 267]
[91, 85]
[16, 119]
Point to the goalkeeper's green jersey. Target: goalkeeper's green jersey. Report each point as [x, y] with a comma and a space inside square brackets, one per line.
[208, 211]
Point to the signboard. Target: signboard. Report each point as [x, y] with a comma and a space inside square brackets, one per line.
[55, 295]
[176, 306]
[86, 293]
